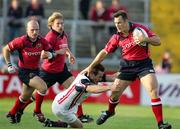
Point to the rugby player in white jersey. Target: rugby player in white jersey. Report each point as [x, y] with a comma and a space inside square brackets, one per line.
[65, 103]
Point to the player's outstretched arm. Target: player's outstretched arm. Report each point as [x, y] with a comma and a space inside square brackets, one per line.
[99, 88]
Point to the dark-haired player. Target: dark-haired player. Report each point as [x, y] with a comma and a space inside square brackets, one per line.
[135, 63]
[66, 103]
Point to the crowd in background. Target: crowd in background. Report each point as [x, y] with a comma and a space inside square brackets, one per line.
[97, 12]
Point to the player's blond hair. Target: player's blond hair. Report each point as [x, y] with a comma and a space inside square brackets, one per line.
[55, 15]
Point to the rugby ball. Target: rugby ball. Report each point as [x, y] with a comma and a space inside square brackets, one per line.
[138, 32]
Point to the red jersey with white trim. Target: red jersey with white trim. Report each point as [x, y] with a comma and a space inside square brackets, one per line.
[130, 50]
[57, 42]
[29, 52]
[71, 97]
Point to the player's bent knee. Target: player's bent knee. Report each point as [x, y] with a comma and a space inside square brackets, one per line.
[43, 88]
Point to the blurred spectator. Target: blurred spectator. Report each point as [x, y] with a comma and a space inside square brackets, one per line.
[15, 14]
[114, 7]
[84, 8]
[166, 63]
[35, 10]
[99, 14]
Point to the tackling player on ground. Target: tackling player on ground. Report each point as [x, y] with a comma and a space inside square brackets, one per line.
[66, 103]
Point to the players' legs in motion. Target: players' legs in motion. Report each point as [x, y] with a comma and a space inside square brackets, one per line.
[150, 83]
[113, 100]
[41, 87]
[21, 100]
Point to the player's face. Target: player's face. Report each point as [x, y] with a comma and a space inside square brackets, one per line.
[33, 30]
[58, 25]
[97, 78]
[121, 24]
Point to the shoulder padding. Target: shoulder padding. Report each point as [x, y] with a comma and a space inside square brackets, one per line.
[85, 81]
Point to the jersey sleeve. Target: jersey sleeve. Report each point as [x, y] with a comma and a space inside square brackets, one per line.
[15, 44]
[82, 85]
[112, 44]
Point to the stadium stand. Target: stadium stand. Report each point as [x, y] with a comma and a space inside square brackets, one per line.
[80, 31]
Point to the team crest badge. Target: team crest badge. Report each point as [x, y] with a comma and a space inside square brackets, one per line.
[39, 45]
[31, 75]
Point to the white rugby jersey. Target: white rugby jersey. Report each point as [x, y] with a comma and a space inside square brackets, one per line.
[74, 95]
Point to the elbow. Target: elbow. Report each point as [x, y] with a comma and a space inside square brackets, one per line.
[158, 41]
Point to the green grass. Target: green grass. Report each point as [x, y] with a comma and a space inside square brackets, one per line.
[127, 117]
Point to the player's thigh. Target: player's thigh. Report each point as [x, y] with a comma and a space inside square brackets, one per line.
[37, 83]
[68, 82]
[150, 83]
[26, 92]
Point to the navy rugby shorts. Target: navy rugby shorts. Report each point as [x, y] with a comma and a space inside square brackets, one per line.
[26, 74]
[131, 69]
[52, 78]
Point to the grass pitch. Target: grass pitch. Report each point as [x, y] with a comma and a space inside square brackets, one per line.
[127, 116]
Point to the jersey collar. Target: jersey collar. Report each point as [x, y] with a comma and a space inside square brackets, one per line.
[57, 33]
[33, 42]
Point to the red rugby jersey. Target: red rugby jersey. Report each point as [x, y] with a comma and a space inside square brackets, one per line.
[57, 42]
[130, 50]
[29, 52]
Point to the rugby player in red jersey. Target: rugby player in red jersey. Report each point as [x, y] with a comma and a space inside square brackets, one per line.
[29, 47]
[56, 70]
[135, 63]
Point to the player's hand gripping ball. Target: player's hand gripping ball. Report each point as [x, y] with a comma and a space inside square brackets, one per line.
[139, 34]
